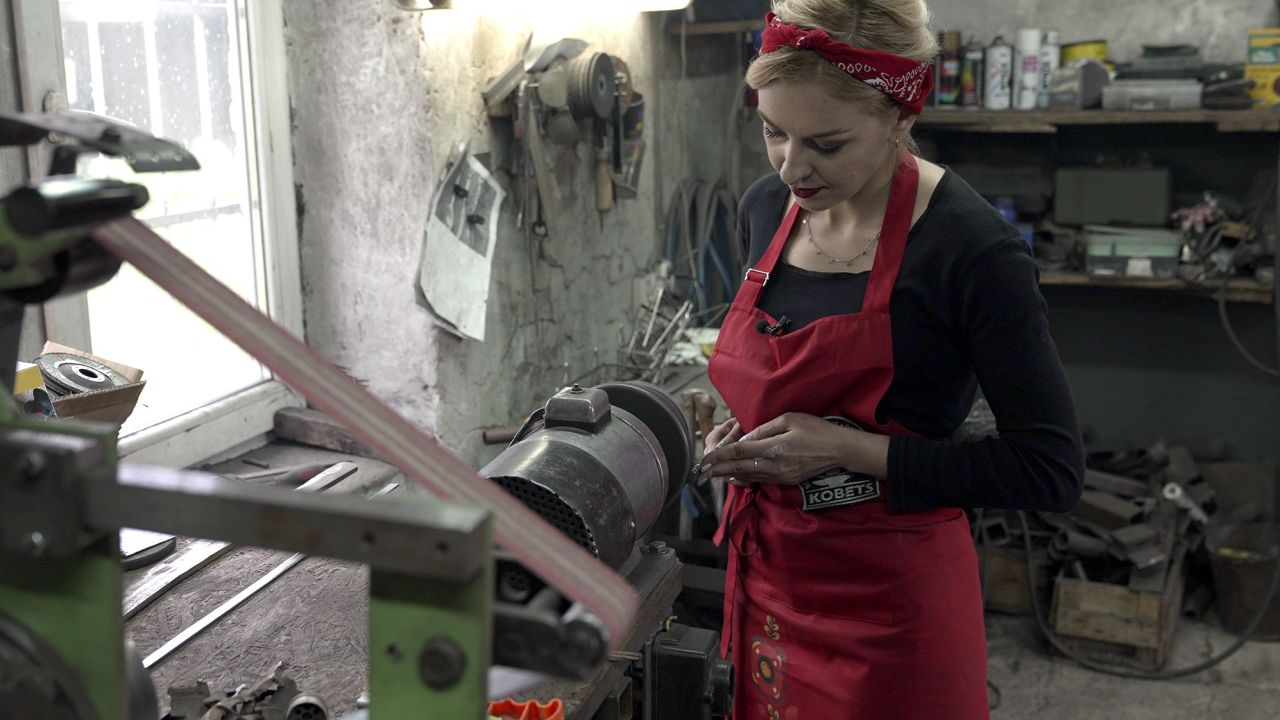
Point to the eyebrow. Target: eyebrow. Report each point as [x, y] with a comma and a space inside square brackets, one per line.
[818, 136]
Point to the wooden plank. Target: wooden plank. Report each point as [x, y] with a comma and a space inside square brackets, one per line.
[312, 427]
[1238, 289]
[198, 553]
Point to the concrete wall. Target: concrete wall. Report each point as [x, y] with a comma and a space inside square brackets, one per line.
[1218, 27]
[380, 98]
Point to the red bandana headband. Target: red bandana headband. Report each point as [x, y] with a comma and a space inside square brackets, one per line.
[905, 80]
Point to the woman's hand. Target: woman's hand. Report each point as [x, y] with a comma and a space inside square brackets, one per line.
[793, 448]
[726, 432]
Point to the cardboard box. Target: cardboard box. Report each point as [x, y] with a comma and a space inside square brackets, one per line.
[1262, 66]
[113, 405]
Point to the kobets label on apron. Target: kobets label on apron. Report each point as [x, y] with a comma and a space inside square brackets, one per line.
[839, 487]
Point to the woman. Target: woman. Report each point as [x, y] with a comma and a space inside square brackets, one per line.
[881, 292]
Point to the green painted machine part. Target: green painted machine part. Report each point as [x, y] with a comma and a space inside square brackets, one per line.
[429, 645]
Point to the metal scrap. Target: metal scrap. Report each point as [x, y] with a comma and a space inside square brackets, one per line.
[274, 698]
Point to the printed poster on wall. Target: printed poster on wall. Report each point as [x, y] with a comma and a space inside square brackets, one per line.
[458, 246]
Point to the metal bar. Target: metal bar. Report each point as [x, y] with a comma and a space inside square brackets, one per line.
[413, 535]
[199, 626]
[530, 538]
[657, 303]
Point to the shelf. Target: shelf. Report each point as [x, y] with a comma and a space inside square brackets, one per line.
[1048, 121]
[1238, 289]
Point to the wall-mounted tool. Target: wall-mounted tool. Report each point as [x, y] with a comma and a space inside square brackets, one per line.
[592, 85]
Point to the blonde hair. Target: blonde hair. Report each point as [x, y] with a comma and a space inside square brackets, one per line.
[900, 27]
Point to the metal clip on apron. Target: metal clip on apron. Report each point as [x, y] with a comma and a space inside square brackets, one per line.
[847, 611]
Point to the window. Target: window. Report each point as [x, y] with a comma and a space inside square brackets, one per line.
[209, 75]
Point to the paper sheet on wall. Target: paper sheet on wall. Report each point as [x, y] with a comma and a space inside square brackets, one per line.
[458, 246]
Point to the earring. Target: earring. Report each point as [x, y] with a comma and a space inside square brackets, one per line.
[897, 141]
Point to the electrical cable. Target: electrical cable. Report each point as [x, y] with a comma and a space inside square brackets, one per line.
[1254, 220]
[700, 222]
[1231, 333]
[1137, 674]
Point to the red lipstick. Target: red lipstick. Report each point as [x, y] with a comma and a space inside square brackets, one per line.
[804, 192]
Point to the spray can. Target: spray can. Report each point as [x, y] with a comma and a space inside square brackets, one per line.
[1049, 55]
[949, 68]
[971, 75]
[997, 75]
[1026, 69]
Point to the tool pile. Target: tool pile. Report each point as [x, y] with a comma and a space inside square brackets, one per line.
[1118, 573]
[660, 324]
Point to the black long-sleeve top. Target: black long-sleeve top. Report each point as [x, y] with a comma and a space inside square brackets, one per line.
[966, 311]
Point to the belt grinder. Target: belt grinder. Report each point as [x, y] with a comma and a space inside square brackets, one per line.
[63, 499]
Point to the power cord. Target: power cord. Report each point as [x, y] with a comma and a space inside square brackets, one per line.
[1231, 333]
[1137, 674]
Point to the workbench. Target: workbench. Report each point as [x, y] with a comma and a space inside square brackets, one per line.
[314, 617]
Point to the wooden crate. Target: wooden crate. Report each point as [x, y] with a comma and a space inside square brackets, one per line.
[1006, 571]
[1113, 624]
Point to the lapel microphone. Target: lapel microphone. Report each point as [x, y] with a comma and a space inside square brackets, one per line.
[764, 328]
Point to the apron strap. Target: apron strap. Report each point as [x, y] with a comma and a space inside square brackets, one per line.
[893, 234]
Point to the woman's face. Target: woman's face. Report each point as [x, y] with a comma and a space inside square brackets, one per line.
[824, 148]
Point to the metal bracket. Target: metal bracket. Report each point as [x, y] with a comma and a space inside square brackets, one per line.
[143, 151]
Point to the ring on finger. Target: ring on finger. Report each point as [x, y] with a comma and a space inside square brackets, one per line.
[755, 466]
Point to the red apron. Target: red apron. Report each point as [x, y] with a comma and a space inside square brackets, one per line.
[850, 611]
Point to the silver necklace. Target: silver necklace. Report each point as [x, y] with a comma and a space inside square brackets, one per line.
[834, 260]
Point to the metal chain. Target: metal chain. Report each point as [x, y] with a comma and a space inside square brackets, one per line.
[835, 260]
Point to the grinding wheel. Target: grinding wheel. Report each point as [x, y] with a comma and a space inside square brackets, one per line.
[592, 85]
[665, 420]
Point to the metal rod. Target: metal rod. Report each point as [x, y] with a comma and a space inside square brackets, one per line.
[657, 303]
[199, 626]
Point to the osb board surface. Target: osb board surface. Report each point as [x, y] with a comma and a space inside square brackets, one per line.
[314, 617]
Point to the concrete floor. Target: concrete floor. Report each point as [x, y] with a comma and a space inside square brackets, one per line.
[1035, 684]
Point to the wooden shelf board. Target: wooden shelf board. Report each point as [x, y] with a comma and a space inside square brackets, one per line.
[1041, 121]
[1238, 289]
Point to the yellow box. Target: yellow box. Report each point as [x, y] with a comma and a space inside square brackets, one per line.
[1262, 66]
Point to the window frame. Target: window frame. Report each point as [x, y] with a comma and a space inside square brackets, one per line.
[246, 416]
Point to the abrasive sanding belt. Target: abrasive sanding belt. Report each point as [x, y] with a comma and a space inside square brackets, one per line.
[419, 456]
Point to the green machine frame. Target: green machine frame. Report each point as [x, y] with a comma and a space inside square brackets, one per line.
[64, 496]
